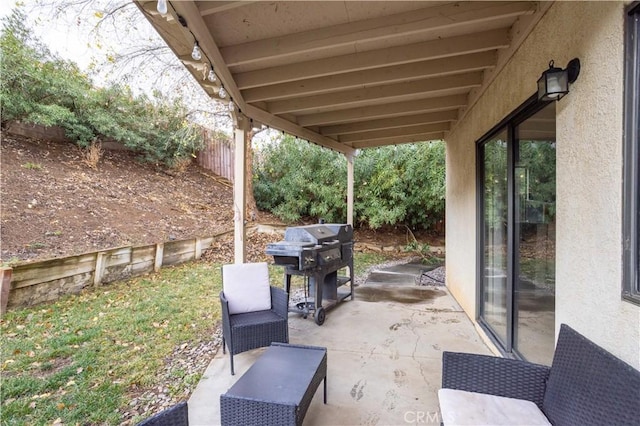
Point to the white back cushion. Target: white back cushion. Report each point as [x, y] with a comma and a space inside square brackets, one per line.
[471, 408]
[246, 287]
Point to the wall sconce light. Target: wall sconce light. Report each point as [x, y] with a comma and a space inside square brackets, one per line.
[553, 84]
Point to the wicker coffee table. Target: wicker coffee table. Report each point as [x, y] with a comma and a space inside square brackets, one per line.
[278, 388]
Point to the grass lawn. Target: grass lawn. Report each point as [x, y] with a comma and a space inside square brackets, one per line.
[78, 360]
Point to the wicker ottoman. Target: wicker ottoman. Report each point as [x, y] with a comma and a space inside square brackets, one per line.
[278, 388]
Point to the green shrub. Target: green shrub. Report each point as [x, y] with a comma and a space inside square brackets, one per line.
[38, 87]
[393, 185]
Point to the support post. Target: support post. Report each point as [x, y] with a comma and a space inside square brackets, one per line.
[198, 249]
[5, 288]
[242, 124]
[157, 261]
[350, 179]
[100, 265]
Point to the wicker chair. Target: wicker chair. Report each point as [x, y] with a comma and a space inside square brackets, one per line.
[254, 314]
[178, 415]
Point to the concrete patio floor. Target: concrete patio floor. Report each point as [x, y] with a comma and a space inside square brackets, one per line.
[384, 356]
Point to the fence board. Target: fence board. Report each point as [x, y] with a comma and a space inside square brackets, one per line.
[217, 156]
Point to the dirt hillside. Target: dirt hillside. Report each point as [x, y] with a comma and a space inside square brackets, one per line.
[53, 204]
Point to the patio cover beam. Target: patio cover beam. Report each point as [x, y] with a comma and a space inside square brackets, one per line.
[210, 8]
[385, 110]
[399, 131]
[416, 52]
[432, 20]
[301, 132]
[190, 12]
[390, 123]
[378, 94]
[366, 78]
[398, 140]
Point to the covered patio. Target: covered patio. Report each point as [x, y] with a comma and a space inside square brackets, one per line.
[384, 357]
[351, 75]
[346, 75]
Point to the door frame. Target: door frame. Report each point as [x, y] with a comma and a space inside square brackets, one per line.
[524, 111]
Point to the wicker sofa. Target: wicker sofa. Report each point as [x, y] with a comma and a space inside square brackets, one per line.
[585, 385]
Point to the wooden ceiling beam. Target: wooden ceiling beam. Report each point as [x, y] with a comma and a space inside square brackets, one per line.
[398, 73]
[377, 94]
[387, 110]
[295, 130]
[399, 140]
[212, 7]
[397, 132]
[390, 123]
[196, 25]
[428, 19]
[415, 52]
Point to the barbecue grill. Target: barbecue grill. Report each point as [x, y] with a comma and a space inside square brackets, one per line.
[318, 253]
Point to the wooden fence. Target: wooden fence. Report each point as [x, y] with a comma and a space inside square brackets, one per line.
[217, 155]
[32, 283]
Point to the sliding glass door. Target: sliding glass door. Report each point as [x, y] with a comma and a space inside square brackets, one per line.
[517, 260]
[494, 278]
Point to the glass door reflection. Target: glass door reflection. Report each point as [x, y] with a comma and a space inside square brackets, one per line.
[535, 213]
[495, 204]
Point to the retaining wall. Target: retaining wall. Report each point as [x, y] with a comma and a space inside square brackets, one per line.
[37, 282]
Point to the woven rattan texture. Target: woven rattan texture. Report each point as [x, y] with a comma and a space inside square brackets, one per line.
[590, 386]
[494, 376]
[178, 415]
[243, 332]
[585, 385]
[244, 411]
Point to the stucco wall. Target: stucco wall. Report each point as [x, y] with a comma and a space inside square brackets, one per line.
[589, 172]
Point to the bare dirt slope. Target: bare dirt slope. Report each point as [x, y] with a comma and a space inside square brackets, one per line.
[54, 204]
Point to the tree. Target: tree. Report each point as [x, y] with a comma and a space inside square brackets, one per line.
[394, 185]
[129, 52]
[39, 87]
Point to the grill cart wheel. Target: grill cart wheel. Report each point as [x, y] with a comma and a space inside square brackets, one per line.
[319, 316]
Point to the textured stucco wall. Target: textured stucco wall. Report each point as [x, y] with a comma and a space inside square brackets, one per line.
[589, 172]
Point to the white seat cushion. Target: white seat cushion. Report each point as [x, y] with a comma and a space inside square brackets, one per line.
[470, 408]
[246, 287]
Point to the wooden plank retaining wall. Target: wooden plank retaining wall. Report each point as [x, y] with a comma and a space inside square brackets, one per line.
[37, 282]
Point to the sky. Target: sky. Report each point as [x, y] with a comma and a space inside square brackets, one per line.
[69, 37]
[63, 38]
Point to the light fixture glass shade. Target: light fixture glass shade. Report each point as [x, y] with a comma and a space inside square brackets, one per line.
[553, 84]
[212, 76]
[196, 54]
[162, 7]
